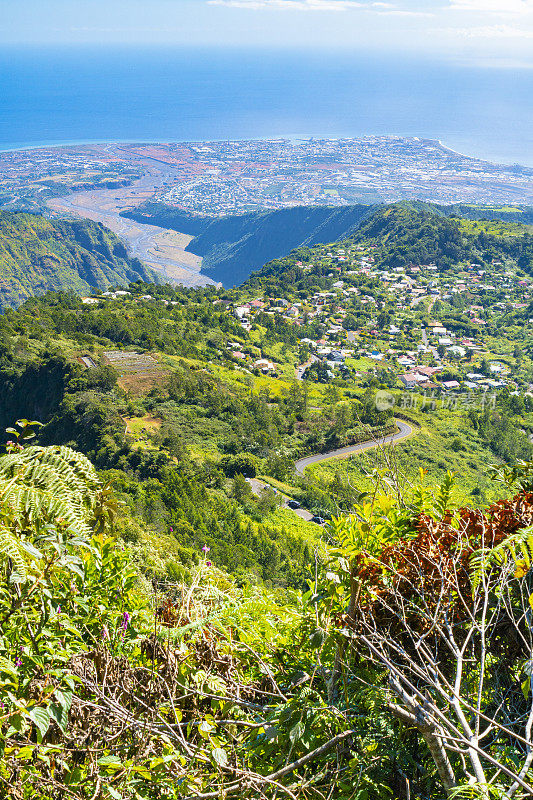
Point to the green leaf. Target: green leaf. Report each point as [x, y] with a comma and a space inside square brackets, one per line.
[297, 732]
[271, 733]
[16, 725]
[8, 667]
[110, 761]
[73, 777]
[317, 638]
[143, 772]
[25, 753]
[204, 729]
[220, 757]
[64, 698]
[59, 711]
[41, 717]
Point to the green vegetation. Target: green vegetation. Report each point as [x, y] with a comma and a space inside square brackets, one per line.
[444, 442]
[174, 450]
[199, 688]
[38, 254]
[403, 235]
[171, 628]
[234, 246]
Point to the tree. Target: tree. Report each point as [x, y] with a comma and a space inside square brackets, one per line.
[444, 613]
[242, 464]
[268, 501]
[383, 319]
[331, 395]
[242, 491]
[279, 465]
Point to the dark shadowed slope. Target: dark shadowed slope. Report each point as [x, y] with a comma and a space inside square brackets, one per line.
[234, 246]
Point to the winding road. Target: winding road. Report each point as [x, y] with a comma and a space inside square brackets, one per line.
[257, 486]
[404, 430]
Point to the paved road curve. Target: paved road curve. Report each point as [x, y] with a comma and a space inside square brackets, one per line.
[404, 430]
[257, 487]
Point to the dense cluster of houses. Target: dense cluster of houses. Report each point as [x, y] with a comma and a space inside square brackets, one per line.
[421, 355]
[418, 355]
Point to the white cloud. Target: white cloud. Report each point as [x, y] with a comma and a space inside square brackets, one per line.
[497, 32]
[506, 21]
[499, 7]
[308, 5]
[381, 8]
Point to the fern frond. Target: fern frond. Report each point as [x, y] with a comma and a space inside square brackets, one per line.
[43, 486]
[10, 548]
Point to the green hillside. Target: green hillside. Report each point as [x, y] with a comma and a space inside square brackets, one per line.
[186, 614]
[194, 640]
[521, 214]
[38, 254]
[403, 235]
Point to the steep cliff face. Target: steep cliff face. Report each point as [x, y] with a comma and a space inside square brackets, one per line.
[38, 254]
[233, 247]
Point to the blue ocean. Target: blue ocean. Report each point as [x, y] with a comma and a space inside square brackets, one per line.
[102, 94]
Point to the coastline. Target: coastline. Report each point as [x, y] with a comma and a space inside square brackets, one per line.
[507, 164]
[286, 137]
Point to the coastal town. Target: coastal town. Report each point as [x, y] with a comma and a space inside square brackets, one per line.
[252, 175]
[234, 177]
[28, 178]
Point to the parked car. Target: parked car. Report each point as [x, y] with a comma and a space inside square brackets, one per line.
[318, 520]
[294, 504]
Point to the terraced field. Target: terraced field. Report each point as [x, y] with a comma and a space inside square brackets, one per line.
[138, 372]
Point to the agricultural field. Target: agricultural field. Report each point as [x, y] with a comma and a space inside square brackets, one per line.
[137, 372]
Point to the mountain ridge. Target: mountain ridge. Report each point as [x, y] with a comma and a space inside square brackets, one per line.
[235, 246]
[38, 254]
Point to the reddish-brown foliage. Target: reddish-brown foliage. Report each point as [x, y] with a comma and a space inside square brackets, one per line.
[434, 565]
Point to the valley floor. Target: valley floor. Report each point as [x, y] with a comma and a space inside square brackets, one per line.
[159, 248]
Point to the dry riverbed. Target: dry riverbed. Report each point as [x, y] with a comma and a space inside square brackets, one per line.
[161, 249]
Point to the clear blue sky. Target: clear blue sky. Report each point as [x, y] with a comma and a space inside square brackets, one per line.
[462, 30]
